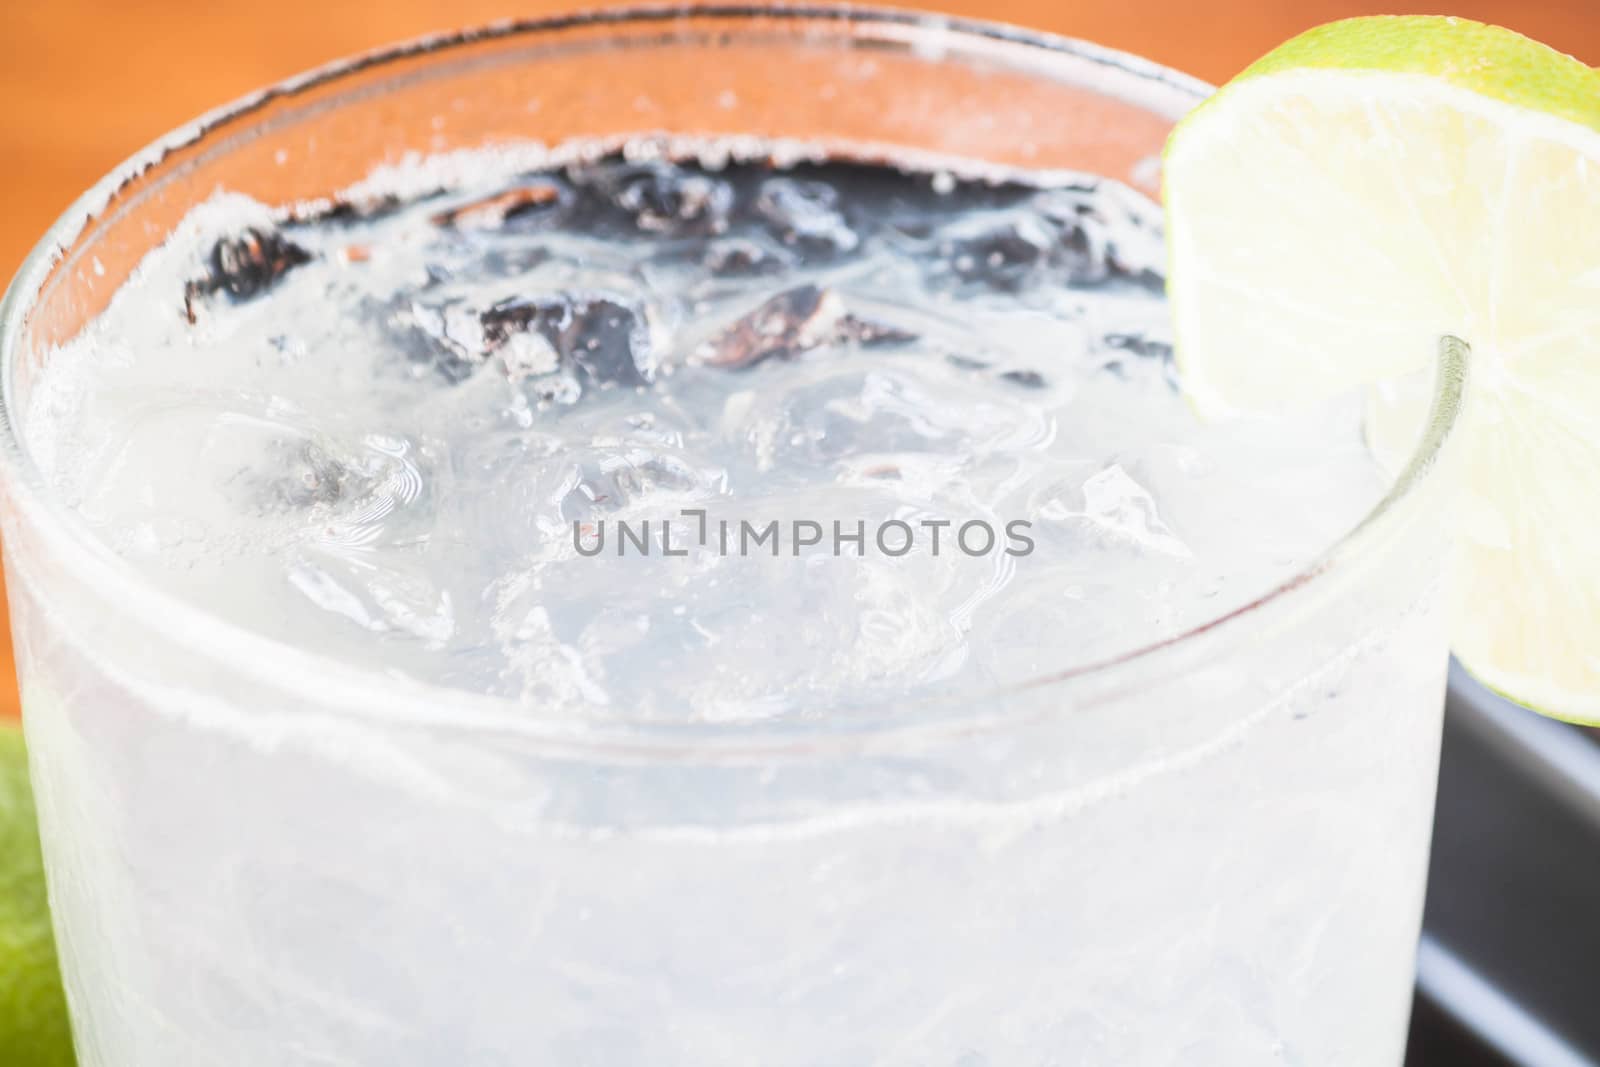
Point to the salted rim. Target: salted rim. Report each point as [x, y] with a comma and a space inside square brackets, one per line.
[327, 683]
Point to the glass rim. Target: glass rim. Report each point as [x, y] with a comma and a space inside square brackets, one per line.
[326, 682]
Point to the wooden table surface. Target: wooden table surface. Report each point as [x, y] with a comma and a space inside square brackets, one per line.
[85, 84]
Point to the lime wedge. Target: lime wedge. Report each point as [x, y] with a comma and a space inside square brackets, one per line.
[1366, 188]
[33, 1010]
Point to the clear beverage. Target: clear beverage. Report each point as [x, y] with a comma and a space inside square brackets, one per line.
[545, 651]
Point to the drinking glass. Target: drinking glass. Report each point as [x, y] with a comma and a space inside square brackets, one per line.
[1208, 851]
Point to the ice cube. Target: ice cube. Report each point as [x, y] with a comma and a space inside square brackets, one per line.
[609, 480]
[379, 597]
[786, 325]
[1002, 250]
[1118, 506]
[1081, 248]
[806, 214]
[662, 198]
[609, 340]
[244, 266]
[528, 355]
[603, 337]
[796, 321]
[1105, 232]
[458, 342]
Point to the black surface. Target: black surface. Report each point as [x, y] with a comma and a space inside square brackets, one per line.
[1514, 884]
[1438, 1041]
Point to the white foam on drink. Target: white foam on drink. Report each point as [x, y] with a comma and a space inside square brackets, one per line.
[350, 462]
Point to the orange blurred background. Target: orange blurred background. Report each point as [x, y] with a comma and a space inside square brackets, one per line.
[84, 84]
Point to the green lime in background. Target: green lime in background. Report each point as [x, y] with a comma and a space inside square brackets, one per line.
[33, 1008]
